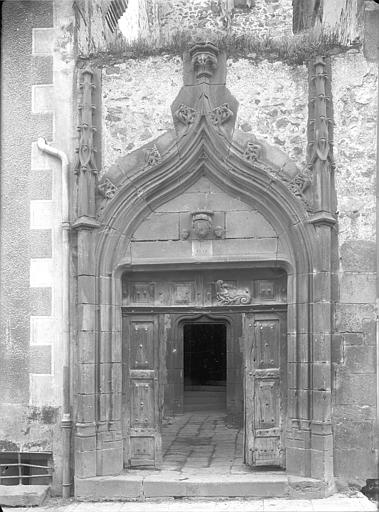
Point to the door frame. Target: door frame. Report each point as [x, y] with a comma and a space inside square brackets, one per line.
[225, 315]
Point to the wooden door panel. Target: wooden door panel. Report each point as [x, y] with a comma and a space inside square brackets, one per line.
[141, 344]
[141, 348]
[264, 348]
[142, 404]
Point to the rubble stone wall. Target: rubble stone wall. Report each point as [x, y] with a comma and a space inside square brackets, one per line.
[354, 86]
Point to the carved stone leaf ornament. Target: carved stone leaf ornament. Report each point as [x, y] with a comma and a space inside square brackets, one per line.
[153, 157]
[107, 189]
[221, 114]
[227, 294]
[185, 114]
[252, 151]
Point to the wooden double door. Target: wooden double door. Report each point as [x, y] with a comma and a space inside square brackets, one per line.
[153, 384]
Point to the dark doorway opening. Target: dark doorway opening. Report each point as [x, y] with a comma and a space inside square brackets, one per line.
[204, 366]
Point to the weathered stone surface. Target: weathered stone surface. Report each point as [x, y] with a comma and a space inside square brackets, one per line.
[360, 359]
[350, 317]
[23, 495]
[358, 256]
[354, 388]
[159, 226]
[357, 288]
[354, 90]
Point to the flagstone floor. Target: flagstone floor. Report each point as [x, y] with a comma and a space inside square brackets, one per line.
[202, 442]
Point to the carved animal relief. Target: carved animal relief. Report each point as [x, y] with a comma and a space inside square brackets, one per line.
[228, 293]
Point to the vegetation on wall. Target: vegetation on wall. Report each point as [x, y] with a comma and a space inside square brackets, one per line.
[293, 50]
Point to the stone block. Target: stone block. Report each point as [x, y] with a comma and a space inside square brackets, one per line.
[322, 464]
[297, 461]
[40, 301]
[159, 226]
[354, 434]
[355, 465]
[86, 317]
[266, 247]
[41, 184]
[42, 70]
[42, 330]
[337, 348]
[350, 317]
[369, 331]
[40, 243]
[354, 412]
[358, 256]
[40, 359]
[247, 224]
[360, 359]
[357, 288]
[85, 464]
[321, 286]
[43, 40]
[161, 250]
[354, 388]
[23, 495]
[41, 272]
[43, 98]
[322, 442]
[86, 347]
[109, 488]
[321, 376]
[86, 289]
[104, 406]
[111, 460]
[371, 39]
[322, 316]
[85, 444]
[85, 378]
[86, 408]
[352, 338]
[321, 401]
[41, 214]
[41, 390]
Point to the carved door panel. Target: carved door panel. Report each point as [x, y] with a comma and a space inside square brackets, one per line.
[143, 440]
[264, 336]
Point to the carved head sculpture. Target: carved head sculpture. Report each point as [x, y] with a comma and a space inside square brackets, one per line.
[202, 223]
[204, 59]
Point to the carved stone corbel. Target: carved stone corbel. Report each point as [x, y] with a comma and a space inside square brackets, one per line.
[204, 60]
[185, 114]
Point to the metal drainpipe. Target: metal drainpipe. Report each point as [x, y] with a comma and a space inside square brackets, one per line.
[377, 260]
[66, 414]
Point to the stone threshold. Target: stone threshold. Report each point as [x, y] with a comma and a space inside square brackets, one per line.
[139, 485]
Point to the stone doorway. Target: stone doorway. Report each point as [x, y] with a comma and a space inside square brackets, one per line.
[205, 367]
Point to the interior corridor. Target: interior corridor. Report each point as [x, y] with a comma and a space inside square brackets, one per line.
[202, 442]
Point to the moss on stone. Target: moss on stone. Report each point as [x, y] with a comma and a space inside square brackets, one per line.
[293, 50]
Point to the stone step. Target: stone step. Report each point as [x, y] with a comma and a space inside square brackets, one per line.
[175, 484]
[142, 484]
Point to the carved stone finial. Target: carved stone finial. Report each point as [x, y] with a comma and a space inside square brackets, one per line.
[221, 114]
[202, 222]
[204, 59]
